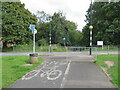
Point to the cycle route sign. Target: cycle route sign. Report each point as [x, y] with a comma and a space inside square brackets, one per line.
[32, 27]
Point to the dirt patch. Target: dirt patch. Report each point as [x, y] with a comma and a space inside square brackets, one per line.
[109, 63]
[27, 65]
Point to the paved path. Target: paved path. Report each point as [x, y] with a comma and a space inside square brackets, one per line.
[66, 71]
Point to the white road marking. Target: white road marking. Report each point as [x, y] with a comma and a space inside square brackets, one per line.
[65, 75]
[51, 70]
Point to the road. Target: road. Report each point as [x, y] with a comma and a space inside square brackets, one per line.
[59, 53]
[70, 70]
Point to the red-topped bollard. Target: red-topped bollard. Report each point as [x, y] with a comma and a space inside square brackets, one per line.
[33, 58]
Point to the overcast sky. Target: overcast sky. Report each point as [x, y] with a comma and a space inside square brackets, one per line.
[74, 10]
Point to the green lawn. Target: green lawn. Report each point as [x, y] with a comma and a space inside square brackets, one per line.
[29, 48]
[0, 72]
[113, 71]
[13, 68]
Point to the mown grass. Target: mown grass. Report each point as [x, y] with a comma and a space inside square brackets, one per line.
[13, 68]
[113, 71]
[0, 73]
[29, 48]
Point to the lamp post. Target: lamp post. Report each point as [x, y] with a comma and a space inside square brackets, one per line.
[91, 27]
[50, 38]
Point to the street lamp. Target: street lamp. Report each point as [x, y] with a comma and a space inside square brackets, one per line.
[91, 27]
[50, 37]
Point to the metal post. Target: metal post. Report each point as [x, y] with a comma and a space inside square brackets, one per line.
[64, 43]
[50, 39]
[90, 41]
[50, 42]
[33, 41]
[91, 28]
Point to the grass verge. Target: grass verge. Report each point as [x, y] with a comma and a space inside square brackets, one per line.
[113, 70]
[0, 73]
[28, 48]
[13, 68]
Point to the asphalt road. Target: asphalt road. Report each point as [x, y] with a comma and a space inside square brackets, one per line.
[75, 71]
[58, 53]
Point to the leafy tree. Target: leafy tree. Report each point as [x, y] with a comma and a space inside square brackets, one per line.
[105, 18]
[75, 38]
[42, 42]
[43, 26]
[60, 28]
[15, 23]
[85, 41]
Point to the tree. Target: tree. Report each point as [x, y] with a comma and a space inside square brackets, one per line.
[60, 28]
[105, 20]
[15, 23]
[43, 26]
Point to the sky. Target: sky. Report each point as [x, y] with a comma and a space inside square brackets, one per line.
[74, 10]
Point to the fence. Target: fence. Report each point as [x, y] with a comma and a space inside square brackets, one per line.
[57, 48]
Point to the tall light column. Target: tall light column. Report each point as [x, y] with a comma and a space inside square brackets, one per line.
[91, 27]
[50, 38]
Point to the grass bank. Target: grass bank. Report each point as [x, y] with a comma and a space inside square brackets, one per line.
[13, 68]
[110, 62]
[29, 48]
[0, 73]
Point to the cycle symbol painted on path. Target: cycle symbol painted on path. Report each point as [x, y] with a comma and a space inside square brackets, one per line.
[48, 70]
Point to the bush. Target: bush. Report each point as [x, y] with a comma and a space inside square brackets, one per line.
[42, 42]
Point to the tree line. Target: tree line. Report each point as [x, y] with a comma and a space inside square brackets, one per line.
[106, 23]
[16, 20]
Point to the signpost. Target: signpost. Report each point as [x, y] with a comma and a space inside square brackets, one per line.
[34, 31]
[34, 56]
[32, 27]
[64, 40]
[100, 43]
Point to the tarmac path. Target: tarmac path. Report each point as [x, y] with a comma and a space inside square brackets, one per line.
[58, 53]
[74, 70]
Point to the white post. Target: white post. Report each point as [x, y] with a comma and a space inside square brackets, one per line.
[102, 46]
[33, 41]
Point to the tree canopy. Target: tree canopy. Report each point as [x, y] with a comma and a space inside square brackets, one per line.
[59, 27]
[15, 23]
[16, 20]
[105, 20]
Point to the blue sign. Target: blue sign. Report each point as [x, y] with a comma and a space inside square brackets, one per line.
[32, 27]
[64, 38]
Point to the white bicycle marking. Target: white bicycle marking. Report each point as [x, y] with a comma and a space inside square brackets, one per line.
[24, 77]
[50, 72]
[60, 73]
